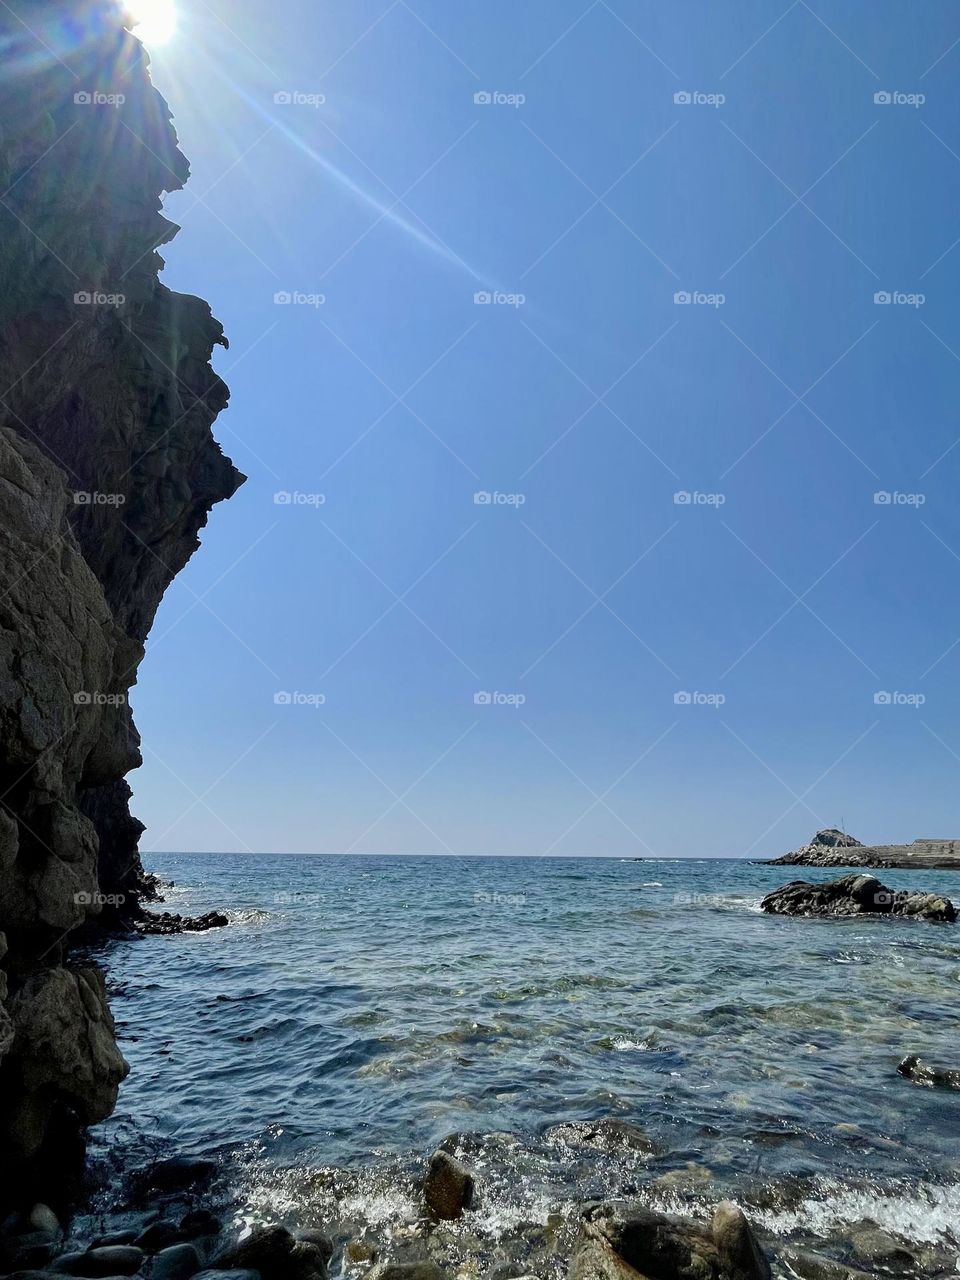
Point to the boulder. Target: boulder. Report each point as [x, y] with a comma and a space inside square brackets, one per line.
[740, 1256]
[856, 895]
[836, 839]
[622, 1240]
[448, 1187]
[177, 1262]
[109, 1260]
[276, 1254]
[924, 1073]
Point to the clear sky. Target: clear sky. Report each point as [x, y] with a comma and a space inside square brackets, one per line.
[782, 598]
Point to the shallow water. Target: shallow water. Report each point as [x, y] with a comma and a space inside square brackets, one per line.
[359, 1009]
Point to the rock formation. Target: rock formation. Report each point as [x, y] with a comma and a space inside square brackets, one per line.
[620, 1240]
[856, 895]
[832, 848]
[108, 470]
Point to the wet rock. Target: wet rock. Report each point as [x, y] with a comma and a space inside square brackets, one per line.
[924, 1073]
[856, 895]
[310, 1235]
[178, 1262]
[199, 1222]
[609, 1135]
[110, 1260]
[814, 1266]
[448, 1187]
[227, 1275]
[276, 1254]
[740, 1255]
[159, 1235]
[42, 1219]
[692, 1177]
[622, 1239]
[360, 1251]
[176, 1174]
[149, 922]
[128, 1236]
[873, 1245]
[406, 1271]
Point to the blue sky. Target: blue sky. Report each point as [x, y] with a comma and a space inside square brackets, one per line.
[783, 598]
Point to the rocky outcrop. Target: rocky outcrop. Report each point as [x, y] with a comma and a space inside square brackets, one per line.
[622, 1241]
[108, 470]
[856, 895]
[832, 848]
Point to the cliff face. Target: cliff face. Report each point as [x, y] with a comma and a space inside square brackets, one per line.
[108, 470]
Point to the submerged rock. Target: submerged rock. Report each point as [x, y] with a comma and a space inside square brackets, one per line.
[855, 895]
[448, 1187]
[920, 1072]
[621, 1240]
[609, 1135]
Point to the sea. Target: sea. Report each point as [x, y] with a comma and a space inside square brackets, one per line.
[358, 1011]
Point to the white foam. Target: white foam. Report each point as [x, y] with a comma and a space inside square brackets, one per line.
[927, 1214]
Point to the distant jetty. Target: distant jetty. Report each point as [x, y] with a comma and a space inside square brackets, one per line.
[833, 848]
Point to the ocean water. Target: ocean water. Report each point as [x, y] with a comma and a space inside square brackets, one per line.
[358, 1010]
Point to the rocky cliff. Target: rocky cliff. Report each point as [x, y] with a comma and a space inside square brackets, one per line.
[108, 470]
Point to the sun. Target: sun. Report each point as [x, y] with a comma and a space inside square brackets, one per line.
[154, 21]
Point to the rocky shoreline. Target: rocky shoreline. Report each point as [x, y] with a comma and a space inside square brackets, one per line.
[177, 1221]
[833, 848]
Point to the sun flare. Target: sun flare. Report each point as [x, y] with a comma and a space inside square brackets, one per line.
[155, 21]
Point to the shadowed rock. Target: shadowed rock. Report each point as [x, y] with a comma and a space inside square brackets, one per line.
[108, 471]
[856, 895]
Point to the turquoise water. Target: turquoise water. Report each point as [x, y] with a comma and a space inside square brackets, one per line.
[359, 1009]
